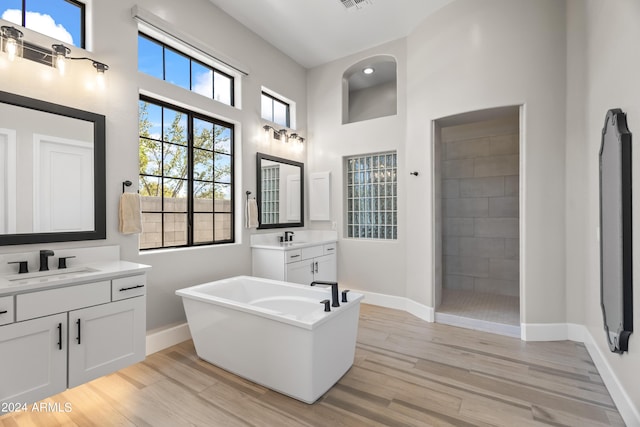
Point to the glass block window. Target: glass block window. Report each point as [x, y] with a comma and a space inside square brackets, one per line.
[372, 208]
[275, 110]
[270, 197]
[60, 19]
[186, 177]
[165, 63]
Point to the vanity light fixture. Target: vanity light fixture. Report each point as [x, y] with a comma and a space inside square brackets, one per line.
[12, 40]
[282, 134]
[368, 70]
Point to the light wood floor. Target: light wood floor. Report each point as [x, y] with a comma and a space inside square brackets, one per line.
[406, 372]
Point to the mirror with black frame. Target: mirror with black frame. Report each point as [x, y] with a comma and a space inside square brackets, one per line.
[52, 172]
[280, 199]
[616, 293]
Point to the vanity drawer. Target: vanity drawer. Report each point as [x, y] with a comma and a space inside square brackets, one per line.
[128, 287]
[293, 256]
[51, 301]
[312, 252]
[6, 310]
[329, 248]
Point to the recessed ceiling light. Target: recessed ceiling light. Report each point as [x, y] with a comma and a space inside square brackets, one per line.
[368, 70]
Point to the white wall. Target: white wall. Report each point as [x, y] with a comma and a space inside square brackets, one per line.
[604, 64]
[371, 265]
[114, 41]
[475, 55]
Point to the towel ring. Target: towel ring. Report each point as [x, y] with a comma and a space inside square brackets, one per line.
[126, 183]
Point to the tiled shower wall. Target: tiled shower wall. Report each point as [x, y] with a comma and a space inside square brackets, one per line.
[480, 175]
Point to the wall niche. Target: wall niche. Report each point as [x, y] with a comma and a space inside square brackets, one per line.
[370, 89]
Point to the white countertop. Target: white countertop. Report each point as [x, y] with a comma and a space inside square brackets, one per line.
[54, 278]
[301, 239]
[285, 246]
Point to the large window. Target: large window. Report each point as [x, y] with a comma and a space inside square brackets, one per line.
[161, 61]
[186, 177]
[372, 196]
[275, 110]
[61, 19]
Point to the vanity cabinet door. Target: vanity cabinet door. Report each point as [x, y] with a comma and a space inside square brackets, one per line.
[325, 268]
[33, 359]
[105, 338]
[300, 272]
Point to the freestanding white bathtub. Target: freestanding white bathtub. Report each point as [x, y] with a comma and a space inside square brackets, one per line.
[274, 333]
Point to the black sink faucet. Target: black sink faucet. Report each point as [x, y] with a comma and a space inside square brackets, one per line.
[288, 236]
[44, 259]
[334, 291]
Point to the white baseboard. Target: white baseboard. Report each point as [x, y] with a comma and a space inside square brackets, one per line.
[629, 410]
[421, 311]
[478, 325]
[159, 339]
[544, 332]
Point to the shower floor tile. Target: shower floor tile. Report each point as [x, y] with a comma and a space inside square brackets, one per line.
[479, 306]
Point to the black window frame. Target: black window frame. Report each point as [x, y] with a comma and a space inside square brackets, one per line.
[83, 19]
[275, 99]
[191, 61]
[191, 115]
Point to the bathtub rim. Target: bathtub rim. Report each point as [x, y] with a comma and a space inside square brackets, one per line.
[192, 292]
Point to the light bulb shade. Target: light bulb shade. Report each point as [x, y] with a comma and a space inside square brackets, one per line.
[58, 54]
[12, 40]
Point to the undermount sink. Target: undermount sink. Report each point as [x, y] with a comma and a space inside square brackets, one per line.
[45, 276]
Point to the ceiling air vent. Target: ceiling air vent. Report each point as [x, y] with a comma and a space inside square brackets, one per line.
[356, 4]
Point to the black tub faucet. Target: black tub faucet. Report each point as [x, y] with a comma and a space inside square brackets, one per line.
[334, 291]
[44, 259]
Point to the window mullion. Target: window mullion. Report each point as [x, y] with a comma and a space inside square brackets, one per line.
[190, 160]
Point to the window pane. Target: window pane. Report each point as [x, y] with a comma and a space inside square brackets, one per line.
[149, 57]
[175, 160]
[150, 188]
[202, 165]
[223, 198]
[175, 127]
[202, 196]
[11, 10]
[223, 139]
[176, 68]
[222, 88]
[203, 134]
[203, 228]
[267, 108]
[280, 113]
[55, 18]
[201, 79]
[150, 157]
[151, 236]
[175, 230]
[175, 195]
[150, 120]
[222, 227]
[222, 168]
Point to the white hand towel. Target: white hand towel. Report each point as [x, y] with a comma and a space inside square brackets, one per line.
[251, 214]
[130, 216]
